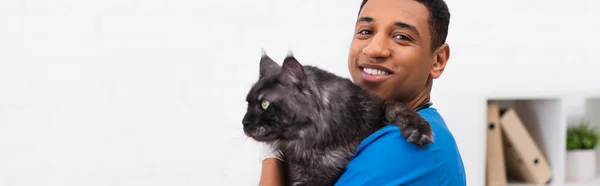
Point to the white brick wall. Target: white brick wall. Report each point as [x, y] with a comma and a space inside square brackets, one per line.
[124, 92]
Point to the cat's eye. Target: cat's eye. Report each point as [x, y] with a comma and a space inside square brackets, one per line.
[265, 104]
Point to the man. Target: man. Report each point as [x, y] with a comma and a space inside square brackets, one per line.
[397, 50]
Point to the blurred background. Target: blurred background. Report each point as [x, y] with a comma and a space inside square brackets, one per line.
[152, 92]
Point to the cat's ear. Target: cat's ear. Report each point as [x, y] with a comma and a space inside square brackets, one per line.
[293, 68]
[268, 67]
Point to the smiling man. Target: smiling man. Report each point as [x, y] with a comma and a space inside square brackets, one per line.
[401, 38]
[397, 50]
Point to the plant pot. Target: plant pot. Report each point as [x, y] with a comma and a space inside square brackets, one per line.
[581, 165]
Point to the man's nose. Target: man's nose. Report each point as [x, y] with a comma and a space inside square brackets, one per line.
[378, 47]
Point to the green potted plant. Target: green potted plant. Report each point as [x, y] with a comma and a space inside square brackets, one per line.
[582, 141]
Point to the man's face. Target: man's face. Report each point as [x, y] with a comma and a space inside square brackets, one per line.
[390, 53]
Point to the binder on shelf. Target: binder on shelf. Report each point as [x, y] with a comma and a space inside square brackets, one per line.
[495, 166]
[524, 159]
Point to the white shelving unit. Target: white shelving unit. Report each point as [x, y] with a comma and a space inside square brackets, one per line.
[592, 114]
[545, 120]
[545, 117]
[594, 182]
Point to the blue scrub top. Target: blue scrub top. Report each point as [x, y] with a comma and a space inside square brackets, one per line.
[385, 158]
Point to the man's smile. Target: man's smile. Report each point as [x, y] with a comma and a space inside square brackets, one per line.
[374, 73]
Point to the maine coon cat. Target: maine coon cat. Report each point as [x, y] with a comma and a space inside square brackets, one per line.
[318, 119]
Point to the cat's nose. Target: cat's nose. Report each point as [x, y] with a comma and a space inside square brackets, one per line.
[245, 123]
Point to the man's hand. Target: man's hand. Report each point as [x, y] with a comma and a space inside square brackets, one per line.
[272, 173]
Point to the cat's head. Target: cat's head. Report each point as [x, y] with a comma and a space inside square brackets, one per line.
[280, 102]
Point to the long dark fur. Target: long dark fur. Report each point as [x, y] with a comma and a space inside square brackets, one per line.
[318, 119]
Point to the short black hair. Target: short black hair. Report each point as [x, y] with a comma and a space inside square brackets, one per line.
[439, 19]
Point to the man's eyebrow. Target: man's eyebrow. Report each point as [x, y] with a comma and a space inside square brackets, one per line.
[407, 26]
[365, 19]
[398, 24]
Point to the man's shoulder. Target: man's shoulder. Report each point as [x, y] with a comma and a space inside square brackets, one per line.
[396, 147]
[388, 153]
[386, 158]
[391, 139]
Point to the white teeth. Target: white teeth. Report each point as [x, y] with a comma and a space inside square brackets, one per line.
[374, 71]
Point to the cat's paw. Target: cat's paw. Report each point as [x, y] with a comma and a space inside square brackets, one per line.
[413, 127]
[418, 132]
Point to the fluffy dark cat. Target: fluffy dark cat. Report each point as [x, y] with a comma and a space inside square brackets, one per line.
[318, 119]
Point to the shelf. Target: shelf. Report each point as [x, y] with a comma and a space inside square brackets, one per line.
[545, 118]
[594, 182]
[520, 184]
[592, 114]
[545, 121]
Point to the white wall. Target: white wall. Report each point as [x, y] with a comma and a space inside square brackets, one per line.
[124, 92]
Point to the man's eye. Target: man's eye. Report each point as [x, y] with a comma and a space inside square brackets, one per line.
[365, 32]
[401, 37]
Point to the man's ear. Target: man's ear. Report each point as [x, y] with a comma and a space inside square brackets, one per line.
[440, 58]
